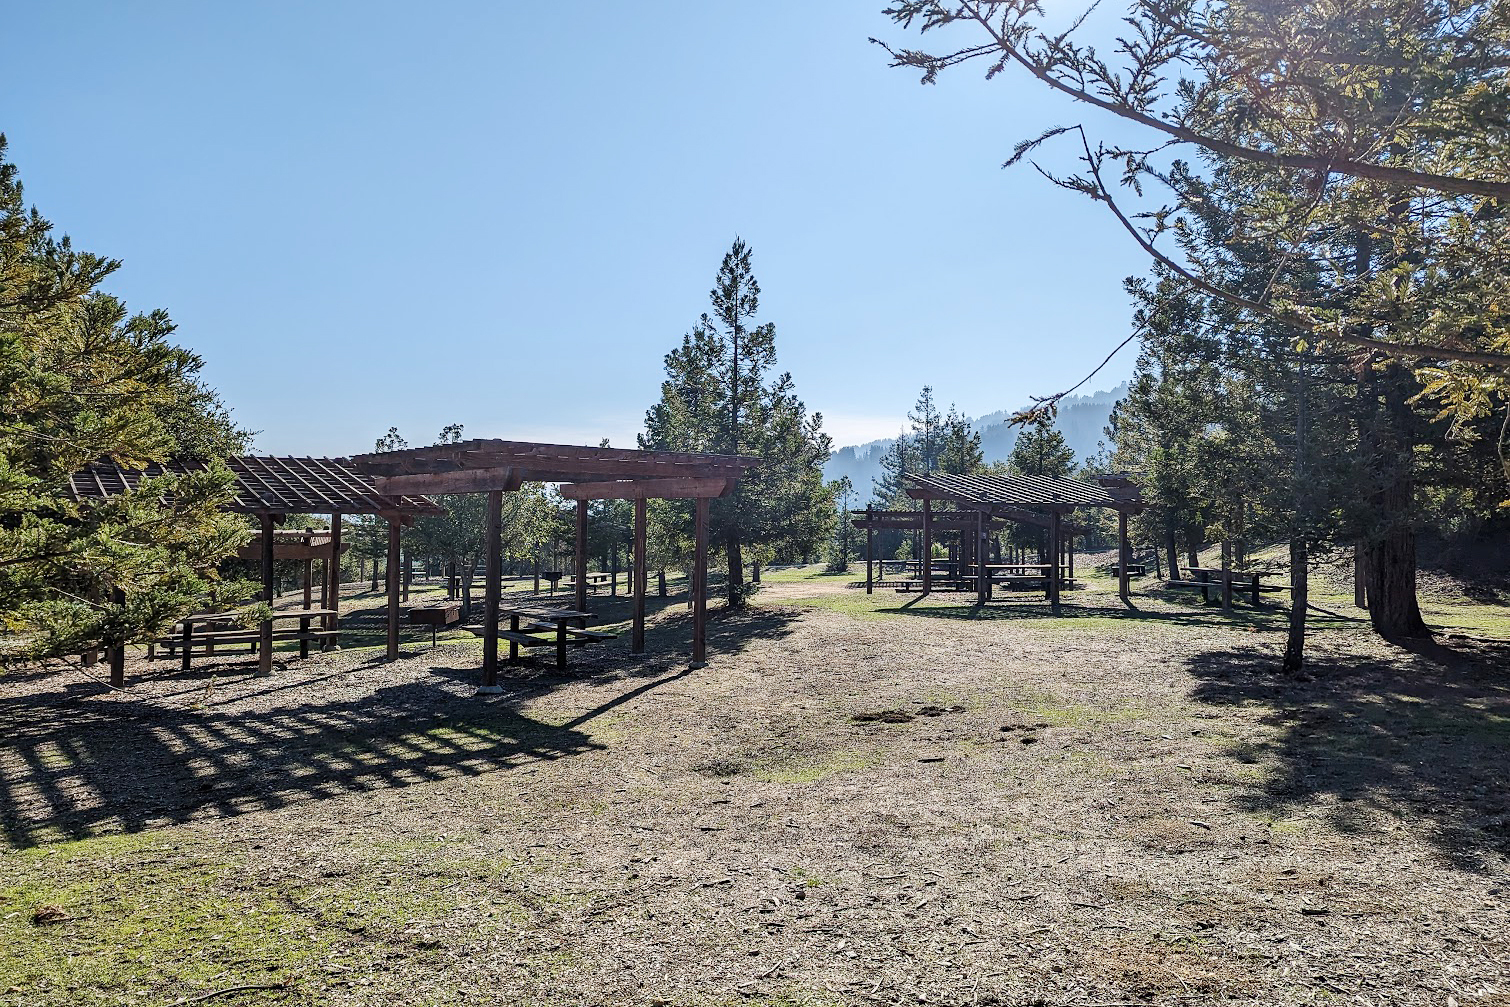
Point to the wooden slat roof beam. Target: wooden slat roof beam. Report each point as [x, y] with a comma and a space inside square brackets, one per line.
[269, 485]
[489, 464]
[987, 491]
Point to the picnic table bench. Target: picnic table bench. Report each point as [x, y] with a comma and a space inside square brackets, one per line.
[223, 629]
[567, 626]
[1133, 569]
[593, 580]
[1205, 579]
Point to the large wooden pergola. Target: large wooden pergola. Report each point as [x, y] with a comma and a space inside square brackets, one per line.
[991, 496]
[870, 520]
[496, 467]
[271, 488]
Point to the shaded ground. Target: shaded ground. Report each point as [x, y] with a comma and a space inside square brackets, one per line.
[861, 800]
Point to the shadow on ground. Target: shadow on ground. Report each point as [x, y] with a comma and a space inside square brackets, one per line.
[1422, 735]
[78, 762]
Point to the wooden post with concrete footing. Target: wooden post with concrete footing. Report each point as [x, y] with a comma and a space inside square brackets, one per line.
[492, 593]
[927, 546]
[700, 587]
[581, 555]
[265, 636]
[1054, 548]
[395, 576]
[641, 579]
[1124, 554]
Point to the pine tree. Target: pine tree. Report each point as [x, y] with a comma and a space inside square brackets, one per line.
[1040, 450]
[81, 379]
[927, 431]
[719, 395]
[961, 453]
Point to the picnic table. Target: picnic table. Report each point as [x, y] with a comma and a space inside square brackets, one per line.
[1133, 569]
[1205, 578]
[224, 628]
[568, 624]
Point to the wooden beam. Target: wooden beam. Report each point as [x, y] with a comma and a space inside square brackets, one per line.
[1124, 555]
[265, 637]
[462, 481]
[869, 549]
[1055, 541]
[982, 574]
[492, 592]
[581, 555]
[927, 546]
[650, 489]
[334, 569]
[637, 636]
[700, 586]
[394, 576]
[309, 597]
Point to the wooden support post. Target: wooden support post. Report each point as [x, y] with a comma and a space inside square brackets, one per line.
[1054, 543]
[265, 637]
[492, 592]
[1226, 576]
[394, 576]
[1123, 555]
[408, 574]
[700, 587]
[1069, 546]
[581, 555]
[927, 546]
[309, 598]
[640, 580]
[982, 574]
[870, 538]
[118, 652]
[334, 643]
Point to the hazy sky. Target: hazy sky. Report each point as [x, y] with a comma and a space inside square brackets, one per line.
[505, 214]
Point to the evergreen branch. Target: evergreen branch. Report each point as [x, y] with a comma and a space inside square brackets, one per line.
[1308, 162]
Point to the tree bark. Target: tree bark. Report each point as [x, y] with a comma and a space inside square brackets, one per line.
[736, 569]
[1389, 553]
[1300, 599]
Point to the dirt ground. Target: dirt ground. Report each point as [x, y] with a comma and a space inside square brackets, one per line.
[859, 800]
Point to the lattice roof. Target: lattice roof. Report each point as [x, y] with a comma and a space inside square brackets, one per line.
[1026, 491]
[267, 484]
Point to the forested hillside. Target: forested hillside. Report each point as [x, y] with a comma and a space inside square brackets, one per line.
[1082, 420]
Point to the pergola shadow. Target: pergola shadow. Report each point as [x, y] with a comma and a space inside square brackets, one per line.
[74, 770]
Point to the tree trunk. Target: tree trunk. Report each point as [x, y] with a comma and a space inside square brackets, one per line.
[1295, 643]
[736, 570]
[466, 590]
[1389, 554]
[1171, 550]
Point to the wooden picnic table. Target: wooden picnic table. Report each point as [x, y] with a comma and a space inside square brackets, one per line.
[1208, 577]
[541, 619]
[219, 629]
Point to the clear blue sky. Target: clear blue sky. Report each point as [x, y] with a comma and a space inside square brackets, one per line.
[374, 214]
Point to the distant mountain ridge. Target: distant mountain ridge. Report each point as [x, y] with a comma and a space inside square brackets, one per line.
[1082, 420]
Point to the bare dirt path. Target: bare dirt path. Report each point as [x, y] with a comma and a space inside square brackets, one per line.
[852, 804]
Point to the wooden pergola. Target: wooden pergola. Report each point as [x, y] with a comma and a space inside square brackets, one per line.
[271, 488]
[496, 467]
[989, 496]
[870, 520]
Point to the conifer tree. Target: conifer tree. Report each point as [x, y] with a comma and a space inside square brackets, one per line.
[720, 395]
[82, 379]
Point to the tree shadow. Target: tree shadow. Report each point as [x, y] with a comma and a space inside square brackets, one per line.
[1108, 607]
[1421, 734]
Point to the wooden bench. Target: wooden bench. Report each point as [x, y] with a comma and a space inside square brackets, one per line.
[1230, 582]
[1133, 570]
